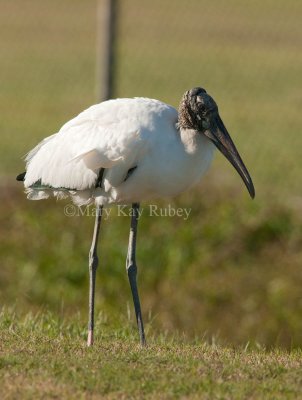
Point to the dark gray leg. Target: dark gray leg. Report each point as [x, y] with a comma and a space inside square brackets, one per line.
[132, 271]
[93, 264]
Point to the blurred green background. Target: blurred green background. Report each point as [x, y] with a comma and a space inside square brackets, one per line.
[232, 271]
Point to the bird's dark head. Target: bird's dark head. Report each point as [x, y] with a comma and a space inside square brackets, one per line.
[199, 111]
[196, 109]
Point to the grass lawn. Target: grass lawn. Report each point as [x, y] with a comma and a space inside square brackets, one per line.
[45, 357]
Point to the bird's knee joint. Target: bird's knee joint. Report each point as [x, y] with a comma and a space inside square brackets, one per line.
[93, 261]
[132, 269]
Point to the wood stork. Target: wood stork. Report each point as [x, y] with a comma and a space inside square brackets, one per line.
[125, 151]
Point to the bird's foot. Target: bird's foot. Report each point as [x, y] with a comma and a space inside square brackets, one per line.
[90, 338]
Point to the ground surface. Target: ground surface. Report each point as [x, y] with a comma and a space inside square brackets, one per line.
[44, 357]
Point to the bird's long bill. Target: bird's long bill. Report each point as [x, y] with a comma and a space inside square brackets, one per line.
[218, 134]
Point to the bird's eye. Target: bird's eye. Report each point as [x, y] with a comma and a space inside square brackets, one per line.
[205, 124]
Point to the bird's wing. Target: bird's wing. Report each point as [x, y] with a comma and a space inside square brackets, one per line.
[104, 135]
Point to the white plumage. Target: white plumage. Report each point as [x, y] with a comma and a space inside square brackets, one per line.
[119, 135]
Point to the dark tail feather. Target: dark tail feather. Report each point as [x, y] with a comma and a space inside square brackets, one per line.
[21, 177]
[39, 186]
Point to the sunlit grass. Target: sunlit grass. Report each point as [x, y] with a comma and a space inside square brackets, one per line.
[45, 355]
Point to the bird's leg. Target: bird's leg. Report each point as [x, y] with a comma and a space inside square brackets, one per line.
[93, 264]
[132, 271]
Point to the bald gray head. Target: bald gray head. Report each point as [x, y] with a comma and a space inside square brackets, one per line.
[198, 111]
[195, 108]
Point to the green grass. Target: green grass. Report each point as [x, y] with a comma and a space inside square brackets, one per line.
[44, 356]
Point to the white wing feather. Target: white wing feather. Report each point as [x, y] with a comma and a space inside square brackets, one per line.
[112, 133]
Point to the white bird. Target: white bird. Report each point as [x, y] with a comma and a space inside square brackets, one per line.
[128, 151]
